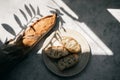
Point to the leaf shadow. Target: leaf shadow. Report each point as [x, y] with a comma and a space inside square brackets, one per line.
[28, 10]
[33, 10]
[38, 11]
[18, 21]
[59, 15]
[24, 15]
[9, 29]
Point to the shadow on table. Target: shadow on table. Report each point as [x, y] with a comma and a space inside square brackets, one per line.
[100, 67]
[8, 62]
[30, 12]
[96, 16]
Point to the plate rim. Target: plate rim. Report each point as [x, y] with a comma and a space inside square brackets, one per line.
[58, 74]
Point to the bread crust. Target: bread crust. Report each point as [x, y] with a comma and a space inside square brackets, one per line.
[71, 44]
[38, 30]
[68, 61]
[56, 52]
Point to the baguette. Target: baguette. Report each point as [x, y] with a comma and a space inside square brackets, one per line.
[14, 50]
[38, 30]
[29, 37]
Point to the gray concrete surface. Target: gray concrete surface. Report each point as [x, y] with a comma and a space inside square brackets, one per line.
[91, 18]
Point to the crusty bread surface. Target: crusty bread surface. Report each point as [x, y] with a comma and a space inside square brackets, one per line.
[68, 61]
[38, 30]
[71, 44]
[56, 52]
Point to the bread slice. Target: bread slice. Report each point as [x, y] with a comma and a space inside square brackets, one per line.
[71, 44]
[56, 52]
[68, 61]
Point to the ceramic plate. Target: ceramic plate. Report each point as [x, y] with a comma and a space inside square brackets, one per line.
[54, 39]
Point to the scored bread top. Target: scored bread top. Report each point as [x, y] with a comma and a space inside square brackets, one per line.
[38, 29]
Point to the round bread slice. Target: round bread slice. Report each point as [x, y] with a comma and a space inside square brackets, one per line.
[56, 51]
[71, 44]
[68, 61]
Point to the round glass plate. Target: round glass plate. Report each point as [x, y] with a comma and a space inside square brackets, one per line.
[54, 39]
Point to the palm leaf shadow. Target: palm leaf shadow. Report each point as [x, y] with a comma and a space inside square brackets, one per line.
[59, 16]
[9, 29]
[33, 10]
[28, 10]
[24, 15]
[18, 21]
[38, 11]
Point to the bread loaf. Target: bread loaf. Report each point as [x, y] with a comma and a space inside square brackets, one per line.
[38, 30]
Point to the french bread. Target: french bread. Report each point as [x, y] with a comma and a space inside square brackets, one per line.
[38, 30]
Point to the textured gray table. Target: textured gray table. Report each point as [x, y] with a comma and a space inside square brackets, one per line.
[93, 19]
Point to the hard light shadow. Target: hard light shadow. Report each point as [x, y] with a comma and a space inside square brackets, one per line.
[95, 15]
[99, 20]
[9, 29]
[100, 67]
[18, 21]
[25, 16]
[28, 10]
[9, 61]
[59, 14]
[33, 10]
[38, 11]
